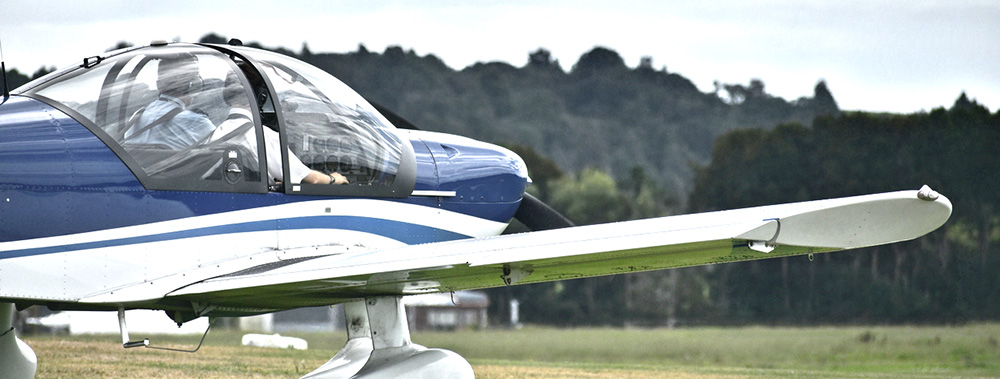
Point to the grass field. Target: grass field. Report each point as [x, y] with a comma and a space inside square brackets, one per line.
[934, 351]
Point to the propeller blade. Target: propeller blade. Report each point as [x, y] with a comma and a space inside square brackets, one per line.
[537, 215]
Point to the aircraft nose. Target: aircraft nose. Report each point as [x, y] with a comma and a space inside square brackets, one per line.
[478, 171]
[516, 165]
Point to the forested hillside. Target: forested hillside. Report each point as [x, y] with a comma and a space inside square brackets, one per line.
[947, 276]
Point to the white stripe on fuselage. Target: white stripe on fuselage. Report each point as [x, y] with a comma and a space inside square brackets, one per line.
[379, 209]
[113, 274]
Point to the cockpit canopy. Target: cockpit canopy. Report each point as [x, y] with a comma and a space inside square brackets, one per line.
[232, 119]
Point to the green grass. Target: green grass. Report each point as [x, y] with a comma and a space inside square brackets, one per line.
[903, 351]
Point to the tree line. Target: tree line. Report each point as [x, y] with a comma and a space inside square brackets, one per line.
[948, 276]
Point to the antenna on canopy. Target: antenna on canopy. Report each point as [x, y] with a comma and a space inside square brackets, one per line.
[3, 72]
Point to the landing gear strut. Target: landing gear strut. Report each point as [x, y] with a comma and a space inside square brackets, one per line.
[17, 360]
[378, 345]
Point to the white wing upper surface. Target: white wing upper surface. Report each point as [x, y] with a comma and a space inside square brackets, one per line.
[677, 241]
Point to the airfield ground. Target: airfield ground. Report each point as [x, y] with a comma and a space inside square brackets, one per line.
[898, 351]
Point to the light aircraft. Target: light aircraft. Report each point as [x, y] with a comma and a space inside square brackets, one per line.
[115, 196]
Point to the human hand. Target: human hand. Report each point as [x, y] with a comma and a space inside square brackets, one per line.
[337, 178]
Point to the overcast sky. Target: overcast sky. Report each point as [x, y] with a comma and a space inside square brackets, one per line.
[895, 56]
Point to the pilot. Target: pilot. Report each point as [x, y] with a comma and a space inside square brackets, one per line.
[167, 121]
[238, 128]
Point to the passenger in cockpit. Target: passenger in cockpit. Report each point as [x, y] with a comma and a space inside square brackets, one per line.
[167, 121]
[238, 129]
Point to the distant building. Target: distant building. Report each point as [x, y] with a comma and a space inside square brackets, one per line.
[447, 311]
[439, 311]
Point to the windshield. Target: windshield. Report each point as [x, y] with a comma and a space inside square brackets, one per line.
[327, 125]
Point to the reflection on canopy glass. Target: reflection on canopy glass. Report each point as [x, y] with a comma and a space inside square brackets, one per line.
[159, 108]
[329, 126]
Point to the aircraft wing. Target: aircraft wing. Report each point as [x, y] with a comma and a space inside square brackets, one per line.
[667, 242]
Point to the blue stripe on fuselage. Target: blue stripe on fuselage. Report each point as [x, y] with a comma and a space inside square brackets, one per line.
[401, 231]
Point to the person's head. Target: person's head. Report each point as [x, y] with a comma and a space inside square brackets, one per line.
[178, 75]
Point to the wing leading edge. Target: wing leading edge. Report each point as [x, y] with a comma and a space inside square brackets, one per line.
[632, 246]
